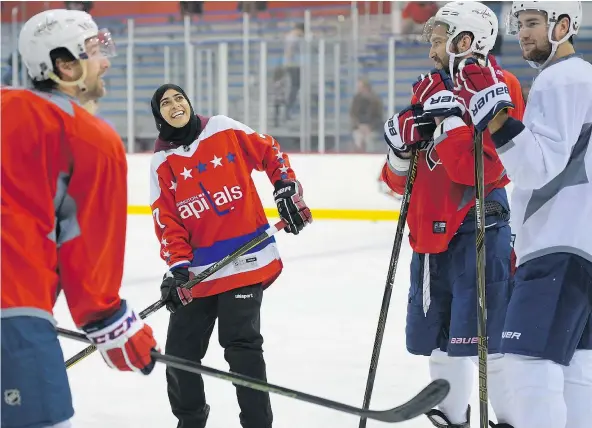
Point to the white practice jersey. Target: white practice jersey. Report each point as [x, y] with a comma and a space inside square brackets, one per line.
[550, 164]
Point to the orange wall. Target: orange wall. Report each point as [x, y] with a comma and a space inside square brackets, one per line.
[108, 8]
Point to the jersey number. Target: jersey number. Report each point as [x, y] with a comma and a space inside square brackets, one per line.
[391, 127]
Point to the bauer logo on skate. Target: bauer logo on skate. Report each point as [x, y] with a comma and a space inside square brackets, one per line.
[205, 201]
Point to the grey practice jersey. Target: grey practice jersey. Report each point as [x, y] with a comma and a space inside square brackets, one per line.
[550, 164]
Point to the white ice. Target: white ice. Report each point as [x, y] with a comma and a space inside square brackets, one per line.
[318, 322]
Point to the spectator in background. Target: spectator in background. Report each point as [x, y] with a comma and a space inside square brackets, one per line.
[7, 75]
[84, 6]
[415, 15]
[280, 91]
[292, 61]
[248, 7]
[366, 115]
[252, 7]
[191, 7]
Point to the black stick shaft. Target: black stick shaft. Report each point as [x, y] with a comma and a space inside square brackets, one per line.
[199, 278]
[481, 301]
[390, 279]
[429, 397]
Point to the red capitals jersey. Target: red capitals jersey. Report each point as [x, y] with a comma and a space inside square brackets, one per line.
[64, 208]
[444, 187]
[205, 204]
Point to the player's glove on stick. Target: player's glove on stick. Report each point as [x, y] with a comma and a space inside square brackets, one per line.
[483, 90]
[172, 291]
[406, 128]
[434, 92]
[124, 341]
[291, 206]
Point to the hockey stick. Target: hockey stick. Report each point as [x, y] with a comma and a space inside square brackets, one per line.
[199, 278]
[390, 279]
[481, 300]
[426, 399]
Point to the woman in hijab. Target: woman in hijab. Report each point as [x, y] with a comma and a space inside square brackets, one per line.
[205, 205]
[177, 123]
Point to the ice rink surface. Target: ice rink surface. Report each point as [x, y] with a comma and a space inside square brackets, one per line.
[318, 320]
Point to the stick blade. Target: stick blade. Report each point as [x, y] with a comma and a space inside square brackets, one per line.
[424, 401]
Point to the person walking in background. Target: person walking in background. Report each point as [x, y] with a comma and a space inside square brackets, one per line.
[367, 117]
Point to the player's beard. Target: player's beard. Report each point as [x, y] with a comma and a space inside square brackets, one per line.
[444, 64]
[96, 90]
[538, 55]
[441, 63]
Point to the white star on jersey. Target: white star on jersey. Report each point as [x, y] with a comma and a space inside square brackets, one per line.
[164, 242]
[216, 161]
[166, 254]
[186, 173]
[173, 186]
[284, 169]
[279, 155]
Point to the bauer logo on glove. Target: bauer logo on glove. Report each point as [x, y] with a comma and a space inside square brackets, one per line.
[434, 92]
[483, 90]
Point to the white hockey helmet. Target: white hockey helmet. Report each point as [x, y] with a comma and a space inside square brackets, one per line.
[553, 10]
[59, 28]
[466, 16]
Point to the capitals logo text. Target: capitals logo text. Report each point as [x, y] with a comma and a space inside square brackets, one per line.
[205, 201]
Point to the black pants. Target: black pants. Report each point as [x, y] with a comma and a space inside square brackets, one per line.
[190, 328]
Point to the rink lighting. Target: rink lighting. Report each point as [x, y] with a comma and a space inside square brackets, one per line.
[317, 214]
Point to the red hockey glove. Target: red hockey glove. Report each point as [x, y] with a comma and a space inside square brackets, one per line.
[124, 341]
[172, 291]
[434, 92]
[482, 90]
[409, 126]
[291, 206]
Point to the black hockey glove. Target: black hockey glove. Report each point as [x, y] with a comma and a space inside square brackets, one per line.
[171, 290]
[291, 206]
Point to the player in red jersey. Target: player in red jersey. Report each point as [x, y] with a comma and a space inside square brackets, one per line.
[442, 305]
[205, 205]
[64, 212]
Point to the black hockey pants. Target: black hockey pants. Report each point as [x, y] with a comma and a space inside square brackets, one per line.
[190, 328]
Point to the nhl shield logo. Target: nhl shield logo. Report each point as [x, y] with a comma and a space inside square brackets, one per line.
[12, 397]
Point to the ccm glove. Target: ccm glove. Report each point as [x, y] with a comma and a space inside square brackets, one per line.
[124, 341]
[291, 206]
[172, 291]
[434, 92]
[483, 90]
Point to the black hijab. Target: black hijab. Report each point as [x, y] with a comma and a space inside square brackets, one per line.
[177, 136]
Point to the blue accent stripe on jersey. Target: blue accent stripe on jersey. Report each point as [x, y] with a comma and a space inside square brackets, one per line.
[216, 252]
